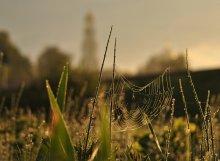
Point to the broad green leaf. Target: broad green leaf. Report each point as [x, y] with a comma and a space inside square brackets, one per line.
[62, 88]
[61, 146]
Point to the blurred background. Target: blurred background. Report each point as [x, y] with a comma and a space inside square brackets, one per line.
[38, 37]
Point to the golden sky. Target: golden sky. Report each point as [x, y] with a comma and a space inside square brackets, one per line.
[142, 27]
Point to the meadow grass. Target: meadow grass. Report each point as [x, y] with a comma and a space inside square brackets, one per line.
[26, 137]
[58, 144]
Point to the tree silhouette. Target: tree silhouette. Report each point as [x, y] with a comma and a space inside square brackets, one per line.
[162, 60]
[51, 62]
[17, 68]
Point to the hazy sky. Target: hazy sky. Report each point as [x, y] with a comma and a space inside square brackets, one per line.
[143, 28]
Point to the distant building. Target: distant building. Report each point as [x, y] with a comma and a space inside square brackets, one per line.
[88, 61]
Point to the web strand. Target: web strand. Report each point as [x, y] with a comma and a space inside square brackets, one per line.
[132, 103]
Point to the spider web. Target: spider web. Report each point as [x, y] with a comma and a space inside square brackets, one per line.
[133, 105]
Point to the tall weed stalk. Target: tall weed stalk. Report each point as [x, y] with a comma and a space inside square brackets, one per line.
[204, 124]
[113, 91]
[189, 155]
[96, 95]
[169, 130]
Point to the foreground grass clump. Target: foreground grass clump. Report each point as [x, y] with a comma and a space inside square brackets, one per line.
[61, 147]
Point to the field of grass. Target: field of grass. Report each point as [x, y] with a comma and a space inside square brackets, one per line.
[70, 135]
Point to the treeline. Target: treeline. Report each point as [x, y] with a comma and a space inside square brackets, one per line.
[17, 70]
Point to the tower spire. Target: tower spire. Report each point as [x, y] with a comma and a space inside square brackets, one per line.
[89, 47]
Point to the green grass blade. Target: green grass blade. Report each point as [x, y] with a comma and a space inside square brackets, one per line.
[104, 135]
[44, 150]
[61, 145]
[154, 135]
[62, 88]
[61, 98]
